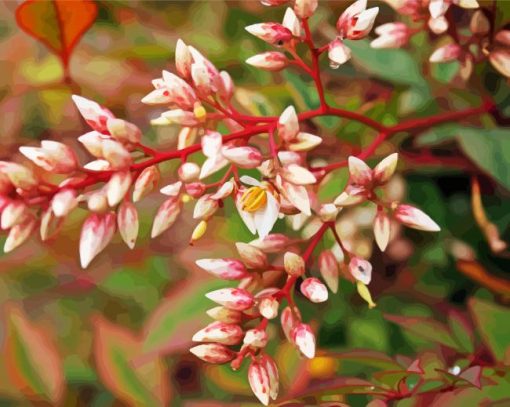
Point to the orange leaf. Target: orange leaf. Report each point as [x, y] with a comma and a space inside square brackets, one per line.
[32, 361]
[58, 24]
[123, 369]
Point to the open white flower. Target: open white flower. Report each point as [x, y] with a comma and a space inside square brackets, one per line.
[258, 206]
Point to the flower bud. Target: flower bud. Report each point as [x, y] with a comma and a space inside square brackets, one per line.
[13, 213]
[272, 371]
[20, 176]
[19, 233]
[314, 290]
[438, 25]
[227, 269]
[385, 169]
[294, 264]
[268, 307]
[338, 53]
[95, 115]
[98, 165]
[305, 8]
[205, 207]
[213, 353]
[116, 154]
[203, 81]
[361, 270]
[226, 315]
[145, 182]
[64, 202]
[415, 218]
[243, 157]
[304, 339]
[360, 173]
[224, 191]
[53, 157]
[124, 131]
[391, 35]
[269, 61]
[97, 231]
[258, 378]
[181, 93]
[272, 33]
[188, 172]
[166, 216]
[50, 224]
[127, 220]
[304, 142]
[328, 267]
[289, 320]
[253, 257]
[219, 332]
[382, 229]
[195, 189]
[226, 86]
[117, 187]
[291, 22]
[345, 199]
[500, 59]
[180, 117]
[172, 189]
[233, 298]
[446, 53]
[356, 21]
[183, 59]
[256, 338]
[288, 124]
[97, 202]
[298, 175]
[272, 243]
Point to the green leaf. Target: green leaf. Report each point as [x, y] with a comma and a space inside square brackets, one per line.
[367, 357]
[492, 323]
[461, 331]
[426, 328]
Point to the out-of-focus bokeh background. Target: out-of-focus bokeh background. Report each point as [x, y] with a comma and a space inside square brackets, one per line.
[119, 332]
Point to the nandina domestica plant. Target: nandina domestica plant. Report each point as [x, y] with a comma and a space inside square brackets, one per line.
[267, 168]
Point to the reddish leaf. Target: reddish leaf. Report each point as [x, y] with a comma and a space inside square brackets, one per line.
[118, 355]
[32, 361]
[58, 24]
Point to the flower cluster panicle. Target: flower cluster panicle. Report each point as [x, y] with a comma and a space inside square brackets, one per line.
[273, 267]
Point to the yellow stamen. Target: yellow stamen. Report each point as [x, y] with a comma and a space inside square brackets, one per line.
[365, 294]
[200, 112]
[253, 199]
[198, 232]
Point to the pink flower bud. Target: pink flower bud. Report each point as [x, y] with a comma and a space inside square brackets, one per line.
[182, 95]
[291, 21]
[338, 53]
[500, 59]
[289, 320]
[188, 172]
[272, 371]
[172, 189]
[256, 338]
[272, 33]
[97, 231]
[93, 142]
[258, 378]
[356, 21]
[294, 264]
[52, 157]
[268, 307]
[253, 257]
[98, 165]
[225, 86]
[305, 8]
[195, 189]
[361, 270]
[203, 81]
[20, 176]
[145, 182]
[117, 187]
[226, 315]
[124, 131]
[272, 243]
[160, 96]
[450, 52]
[116, 154]
[360, 173]
[181, 117]
[415, 218]
[183, 59]
[205, 207]
[213, 353]
[298, 175]
[346, 199]
[288, 124]
[328, 267]
[304, 339]
[50, 224]
[272, 3]
[227, 269]
[233, 298]
[127, 220]
[166, 216]
[314, 290]
[438, 25]
[391, 35]
[304, 142]
[95, 115]
[13, 213]
[97, 202]
[224, 191]
[269, 61]
[64, 202]
[385, 169]
[220, 332]
[19, 233]
[382, 229]
[243, 157]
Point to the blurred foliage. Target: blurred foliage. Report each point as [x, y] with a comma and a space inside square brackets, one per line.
[118, 333]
